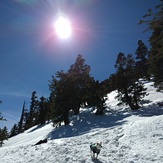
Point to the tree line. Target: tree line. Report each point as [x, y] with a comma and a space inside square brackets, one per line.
[69, 91]
[76, 88]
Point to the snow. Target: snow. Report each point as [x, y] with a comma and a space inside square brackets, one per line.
[127, 136]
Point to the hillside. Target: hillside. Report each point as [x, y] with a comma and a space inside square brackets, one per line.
[127, 136]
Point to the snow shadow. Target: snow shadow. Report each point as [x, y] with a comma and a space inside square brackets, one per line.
[145, 102]
[152, 110]
[87, 121]
[96, 161]
[36, 128]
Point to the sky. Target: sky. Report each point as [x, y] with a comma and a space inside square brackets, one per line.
[31, 52]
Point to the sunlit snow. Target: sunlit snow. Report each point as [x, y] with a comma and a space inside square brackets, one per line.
[127, 136]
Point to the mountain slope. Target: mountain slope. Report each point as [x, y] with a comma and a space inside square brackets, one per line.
[127, 136]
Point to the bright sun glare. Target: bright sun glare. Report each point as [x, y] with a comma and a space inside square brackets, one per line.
[63, 28]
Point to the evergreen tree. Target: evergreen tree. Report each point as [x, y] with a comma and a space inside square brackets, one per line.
[3, 135]
[26, 119]
[141, 57]
[154, 21]
[1, 117]
[79, 73]
[42, 111]
[1, 113]
[31, 115]
[33, 110]
[14, 131]
[50, 105]
[130, 89]
[20, 124]
[111, 83]
[96, 97]
[69, 90]
[63, 98]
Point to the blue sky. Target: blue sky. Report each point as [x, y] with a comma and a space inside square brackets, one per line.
[30, 51]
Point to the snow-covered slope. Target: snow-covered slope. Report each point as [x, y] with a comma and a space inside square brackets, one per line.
[127, 136]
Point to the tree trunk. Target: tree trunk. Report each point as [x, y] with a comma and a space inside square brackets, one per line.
[131, 105]
[66, 117]
[76, 110]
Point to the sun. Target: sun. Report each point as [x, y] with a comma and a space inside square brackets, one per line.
[63, 28]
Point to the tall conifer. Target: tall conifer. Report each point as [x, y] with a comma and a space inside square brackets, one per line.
[154, 21]
[20, 124]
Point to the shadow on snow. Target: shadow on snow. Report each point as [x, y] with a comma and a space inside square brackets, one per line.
[36, 128]
[148, 111]
[86, 121]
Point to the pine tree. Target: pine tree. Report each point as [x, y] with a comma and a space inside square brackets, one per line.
[154, 21]
[20, 124]
[14, 131]
[111, 84]
[3, 135]
[26, 119]
[130, 89]
[96, 97]
[1, 113]
[31, 115]
[42, 111]
[141, 63]
[69, 90]
[50, 106]
[79, 73]
[33, 110]
[1, 117]
[58, 88]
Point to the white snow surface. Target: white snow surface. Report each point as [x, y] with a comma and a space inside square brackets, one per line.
[127, 136]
